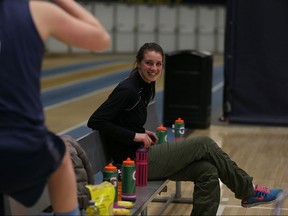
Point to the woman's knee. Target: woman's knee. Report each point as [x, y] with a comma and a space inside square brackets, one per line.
[203, 140]
[206, 172]
[207, 142]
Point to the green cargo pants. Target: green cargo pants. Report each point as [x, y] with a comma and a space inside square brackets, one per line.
[202, 161]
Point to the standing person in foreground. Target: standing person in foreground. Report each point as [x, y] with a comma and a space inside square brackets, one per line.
[120, 120]
[30, 155]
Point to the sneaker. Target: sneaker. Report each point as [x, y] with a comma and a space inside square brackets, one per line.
[262, 195]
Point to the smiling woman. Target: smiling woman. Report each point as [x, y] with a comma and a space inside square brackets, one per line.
[127, 104]
[121, 118]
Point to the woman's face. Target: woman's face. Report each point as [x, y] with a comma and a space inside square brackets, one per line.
[150, 68]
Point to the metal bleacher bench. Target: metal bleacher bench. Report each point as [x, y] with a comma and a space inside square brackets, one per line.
[98, 157]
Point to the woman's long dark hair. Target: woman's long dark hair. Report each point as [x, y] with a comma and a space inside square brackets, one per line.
[147, 47]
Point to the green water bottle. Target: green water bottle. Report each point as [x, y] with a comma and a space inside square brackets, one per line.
[161, 133]
[110, 174]
[179, 129]
[128, 180]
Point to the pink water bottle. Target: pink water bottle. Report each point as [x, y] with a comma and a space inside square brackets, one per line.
[142, 167]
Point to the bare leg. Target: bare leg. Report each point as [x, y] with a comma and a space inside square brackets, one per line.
[62, 186]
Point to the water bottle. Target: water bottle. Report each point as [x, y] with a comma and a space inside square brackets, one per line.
[142, 167]
[161, 133]
[110, 174]
[179, 129]
[128, 180]
[119, 169]
[92, 210]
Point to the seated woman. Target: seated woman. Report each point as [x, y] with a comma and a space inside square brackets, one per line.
[120, 120]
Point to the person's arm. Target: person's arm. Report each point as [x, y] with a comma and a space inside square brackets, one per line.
[69, 22]
[147, 139]
[102, 118]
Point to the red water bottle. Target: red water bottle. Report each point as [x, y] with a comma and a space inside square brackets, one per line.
[142, 167]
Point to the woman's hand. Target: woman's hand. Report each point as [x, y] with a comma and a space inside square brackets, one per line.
[152, 136]
[143, 138]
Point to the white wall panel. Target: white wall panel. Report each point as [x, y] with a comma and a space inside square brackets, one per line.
[187, 27]
[54, 45]
[146, 24]
[206, 28]
[199, 27]
[145, 37]
[105, 13]
[167, 27]
[220, 27]
[125, 28]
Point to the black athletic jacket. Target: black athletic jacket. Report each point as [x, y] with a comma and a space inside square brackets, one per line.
[122, 115]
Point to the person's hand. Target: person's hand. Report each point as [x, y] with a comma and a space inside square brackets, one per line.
[143, 138]
[152, 136]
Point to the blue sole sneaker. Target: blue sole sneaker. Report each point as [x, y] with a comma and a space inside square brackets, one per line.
[262, 195]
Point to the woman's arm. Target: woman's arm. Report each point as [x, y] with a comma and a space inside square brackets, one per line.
[69, 22]
[103, 118]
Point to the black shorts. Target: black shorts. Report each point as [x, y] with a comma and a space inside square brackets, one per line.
[24, 174]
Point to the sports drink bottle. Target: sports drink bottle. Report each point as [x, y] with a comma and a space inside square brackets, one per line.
[161, 133]
[179, 129]
[110, 174]
[128, 180]
[119, 169]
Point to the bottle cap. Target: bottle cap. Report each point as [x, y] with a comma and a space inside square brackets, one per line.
[162, 128]
[110, 167]
[179, 120]
[128, 162]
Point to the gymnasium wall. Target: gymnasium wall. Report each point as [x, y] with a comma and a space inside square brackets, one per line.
[173, 26]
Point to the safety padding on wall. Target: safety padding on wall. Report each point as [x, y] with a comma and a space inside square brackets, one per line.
[255, 62]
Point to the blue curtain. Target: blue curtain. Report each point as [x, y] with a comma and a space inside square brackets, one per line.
[256, 62]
